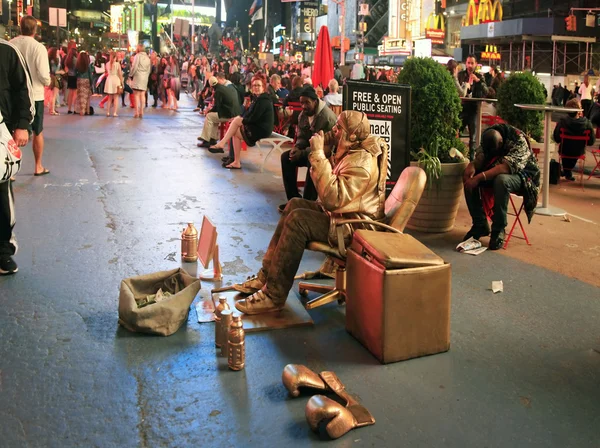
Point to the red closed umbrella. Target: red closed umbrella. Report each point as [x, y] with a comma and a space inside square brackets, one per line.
[323, 69]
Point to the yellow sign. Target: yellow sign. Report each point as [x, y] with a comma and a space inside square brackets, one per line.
[435, 28]
[435, 22]
[486, 11]
[491, 52]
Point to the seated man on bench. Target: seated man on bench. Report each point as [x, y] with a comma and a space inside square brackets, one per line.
[349, 186]
[315, 117]
[505, 164]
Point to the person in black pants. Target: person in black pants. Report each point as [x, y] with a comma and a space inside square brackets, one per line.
[574, 124]
[504, 164]
[17, 110]
[315, 117]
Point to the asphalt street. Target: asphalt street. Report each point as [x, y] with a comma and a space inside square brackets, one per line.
[521, 371]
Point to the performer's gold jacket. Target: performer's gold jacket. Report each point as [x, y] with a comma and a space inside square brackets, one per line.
[351, 185]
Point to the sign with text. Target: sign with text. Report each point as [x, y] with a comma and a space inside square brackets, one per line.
[57, 17]
[387, 106]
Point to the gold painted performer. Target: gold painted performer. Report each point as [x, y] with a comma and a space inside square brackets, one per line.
[345, 170]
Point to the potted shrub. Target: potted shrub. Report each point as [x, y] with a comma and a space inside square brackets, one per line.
[522, 88]
[435, 120]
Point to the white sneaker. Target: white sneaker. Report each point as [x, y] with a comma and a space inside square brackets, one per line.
[258, 303]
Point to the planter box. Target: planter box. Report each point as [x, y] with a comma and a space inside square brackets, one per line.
[437, 209]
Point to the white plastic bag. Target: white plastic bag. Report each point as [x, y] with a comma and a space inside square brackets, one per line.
[10, 154]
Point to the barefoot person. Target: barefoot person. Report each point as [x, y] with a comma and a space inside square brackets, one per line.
[349, 185]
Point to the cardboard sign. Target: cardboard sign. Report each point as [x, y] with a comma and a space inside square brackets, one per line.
[387, 107]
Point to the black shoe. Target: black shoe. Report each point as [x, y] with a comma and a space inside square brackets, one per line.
[7, 265]
[69, 112]
[497, 240]
[569, 176]
[282, 207]
[226, 160]
[203, 144]
[477, 232]
[154, 105]
[215, 150]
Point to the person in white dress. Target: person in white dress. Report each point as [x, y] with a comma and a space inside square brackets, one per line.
[114, 83]
[140, 72]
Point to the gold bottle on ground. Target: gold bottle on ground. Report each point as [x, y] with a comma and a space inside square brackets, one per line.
[189, 243]
[222, 305]
[226, 319]
[236, 344]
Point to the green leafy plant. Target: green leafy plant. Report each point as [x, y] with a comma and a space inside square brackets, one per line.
[522, 88]
[435, 114]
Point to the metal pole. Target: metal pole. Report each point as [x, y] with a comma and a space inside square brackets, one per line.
[587, 54]
[524, 53]
[193, 27]
[510, 59]
[343, 33]
[9, 18]
[532, 46]
[265, 25]
[171, 22]
[57, 31]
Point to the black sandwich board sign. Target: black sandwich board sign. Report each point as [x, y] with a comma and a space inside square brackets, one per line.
[387, 106]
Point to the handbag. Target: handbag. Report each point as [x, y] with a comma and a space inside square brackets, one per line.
[10, 153]
[119, 90]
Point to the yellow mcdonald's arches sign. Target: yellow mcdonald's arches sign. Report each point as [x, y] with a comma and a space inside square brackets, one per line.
[435, 28]
[491, 52]
[435, 22]
[485, 11]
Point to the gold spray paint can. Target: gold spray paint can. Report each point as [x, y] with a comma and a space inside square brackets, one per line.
[226, 319]
[189, 243]
[222, 305]
[237, 344]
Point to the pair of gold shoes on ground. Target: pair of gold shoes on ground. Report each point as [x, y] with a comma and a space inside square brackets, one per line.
[335, 416]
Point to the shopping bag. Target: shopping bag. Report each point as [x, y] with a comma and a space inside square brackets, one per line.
[10, 153]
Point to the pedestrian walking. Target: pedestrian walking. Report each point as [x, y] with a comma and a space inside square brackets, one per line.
[84, 83]
[17, 109]
[140, 72]
[114, 83]
[70, 63]
[36, 60]
[55, 79]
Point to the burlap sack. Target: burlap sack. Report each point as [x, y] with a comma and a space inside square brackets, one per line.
[165, 317]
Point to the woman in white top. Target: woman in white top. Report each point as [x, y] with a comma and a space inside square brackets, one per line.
[114, 83]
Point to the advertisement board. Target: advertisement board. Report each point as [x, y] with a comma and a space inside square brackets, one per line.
[387, 106]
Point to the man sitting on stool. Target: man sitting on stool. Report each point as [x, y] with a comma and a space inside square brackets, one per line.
[574, 124]
[225, 106]
[504, 164]
[349, 186]
[315, 117]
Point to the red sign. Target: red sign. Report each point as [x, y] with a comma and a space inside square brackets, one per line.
[436, 36]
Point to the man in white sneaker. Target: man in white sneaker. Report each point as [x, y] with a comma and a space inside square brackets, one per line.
[16, 109]
[36, 58]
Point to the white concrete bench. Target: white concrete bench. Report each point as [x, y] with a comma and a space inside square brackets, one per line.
[276, 141]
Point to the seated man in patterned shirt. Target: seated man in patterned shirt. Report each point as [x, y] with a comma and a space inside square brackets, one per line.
[504, 164]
